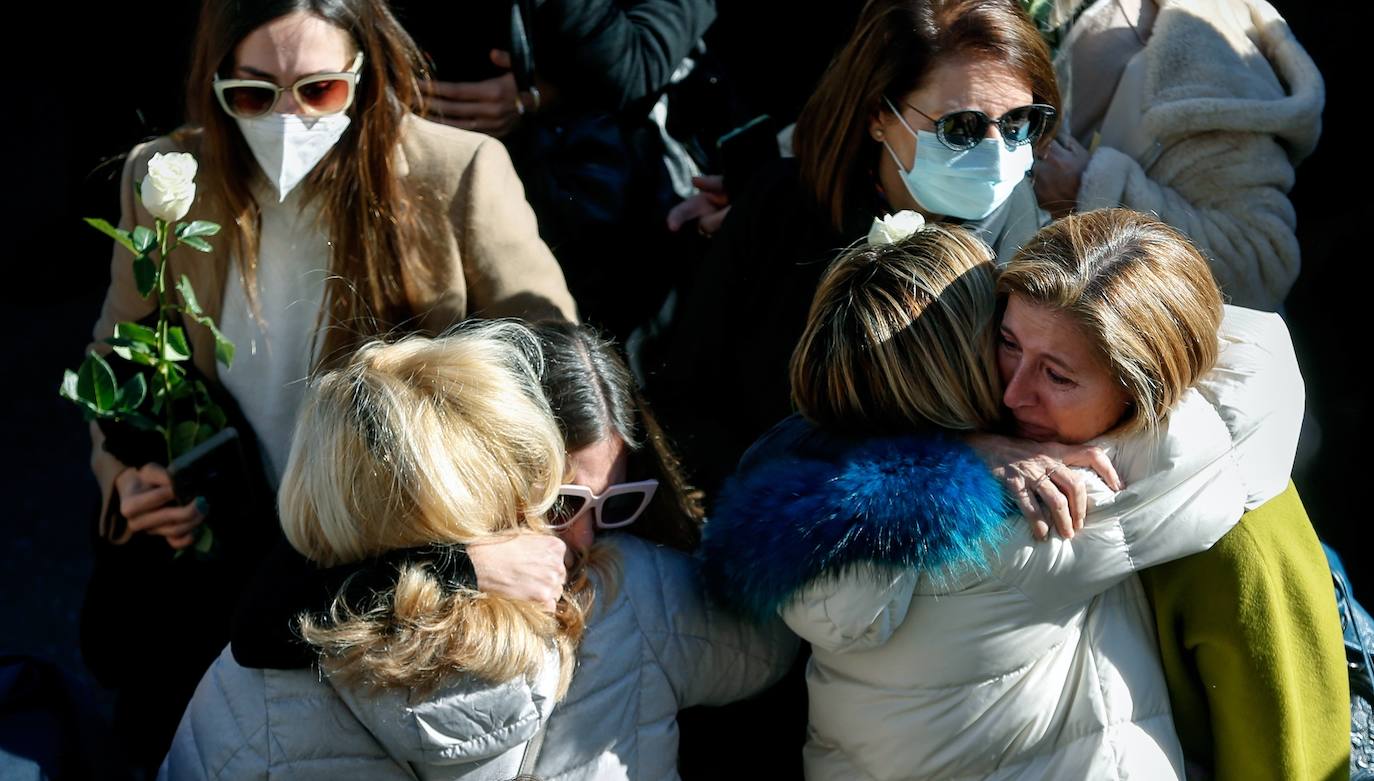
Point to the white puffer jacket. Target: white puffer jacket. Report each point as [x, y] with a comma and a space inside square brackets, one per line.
[946, 642]
[653, 647]
[247, 723]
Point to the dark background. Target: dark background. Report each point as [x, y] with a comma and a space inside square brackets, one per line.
[98, 81]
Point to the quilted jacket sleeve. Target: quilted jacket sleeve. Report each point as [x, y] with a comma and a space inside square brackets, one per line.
[711, 656]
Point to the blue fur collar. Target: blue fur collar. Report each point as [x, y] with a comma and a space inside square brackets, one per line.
[926, 503]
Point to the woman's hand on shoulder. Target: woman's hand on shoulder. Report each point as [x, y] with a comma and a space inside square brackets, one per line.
[1037, 475]
[147, 502]
[527, 566]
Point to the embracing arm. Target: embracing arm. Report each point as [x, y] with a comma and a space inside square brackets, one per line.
[1227, 447]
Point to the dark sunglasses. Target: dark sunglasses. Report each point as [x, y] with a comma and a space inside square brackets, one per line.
[620, 505]
[962, 130]
[317, 95]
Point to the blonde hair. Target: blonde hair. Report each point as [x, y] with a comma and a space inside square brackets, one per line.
[1141, 292]
[901, 334]
[419, 442]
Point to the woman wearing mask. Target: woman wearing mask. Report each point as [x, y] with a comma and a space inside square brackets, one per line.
[944, 638]
[652, 644]
[932, 105]
[345, 215]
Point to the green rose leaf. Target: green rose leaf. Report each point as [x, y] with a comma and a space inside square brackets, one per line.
[134, 332]
[205, 539]
[139, 421]
[144, 240]
[145, 275]
[122, 236]
[131, 394]
[224, 349]
[184, 437]
[196, 228]
[196, 243]
[95, 383]
[188, 294]
[176, 348]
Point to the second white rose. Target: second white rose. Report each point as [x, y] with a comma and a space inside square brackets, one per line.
[170, 186]
[895, 227]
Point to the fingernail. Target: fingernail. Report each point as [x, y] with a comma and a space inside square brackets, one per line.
[202, 505]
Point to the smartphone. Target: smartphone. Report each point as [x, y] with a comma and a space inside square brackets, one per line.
[214, 465]
[746, 149]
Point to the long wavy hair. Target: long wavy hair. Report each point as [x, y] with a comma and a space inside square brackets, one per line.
[376, 224]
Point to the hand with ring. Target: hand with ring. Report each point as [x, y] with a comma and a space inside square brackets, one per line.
[494, 106]
[1036, 474]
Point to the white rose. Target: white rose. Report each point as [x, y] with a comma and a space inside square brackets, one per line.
[895, 227]
[170, 186]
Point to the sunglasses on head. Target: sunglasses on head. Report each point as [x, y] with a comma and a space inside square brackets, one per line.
[963, 130]
[619, 505]
[317, 95]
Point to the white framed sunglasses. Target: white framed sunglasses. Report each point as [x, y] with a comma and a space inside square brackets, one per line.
[619, 505]
[317, 95]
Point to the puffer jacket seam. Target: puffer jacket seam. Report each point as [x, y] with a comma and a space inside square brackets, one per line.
[745, 652]
[1108, 728]
[246, 739]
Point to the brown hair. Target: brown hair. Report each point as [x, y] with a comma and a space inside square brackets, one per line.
[902, 335]
[374, 221]
[593, 397]
[1141, 292]
[893, 48]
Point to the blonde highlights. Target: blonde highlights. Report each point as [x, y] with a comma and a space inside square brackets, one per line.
[426, 441]
[901, 335]
[1141, 292]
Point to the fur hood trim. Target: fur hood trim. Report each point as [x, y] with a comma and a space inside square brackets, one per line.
[923, 503]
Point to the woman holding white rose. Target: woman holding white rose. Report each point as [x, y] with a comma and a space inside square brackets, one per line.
[344, 216]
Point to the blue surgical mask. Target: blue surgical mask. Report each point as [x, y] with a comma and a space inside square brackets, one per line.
[969, 184]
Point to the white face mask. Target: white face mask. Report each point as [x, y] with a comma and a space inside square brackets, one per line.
[289, 146]
[968, 184]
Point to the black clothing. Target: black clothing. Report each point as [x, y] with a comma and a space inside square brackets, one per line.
[288, 584]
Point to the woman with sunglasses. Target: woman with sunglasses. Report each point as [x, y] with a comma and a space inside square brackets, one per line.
[1196, 110]
[934, 106]
[344, 215]
[652, 643]
[946, 641]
